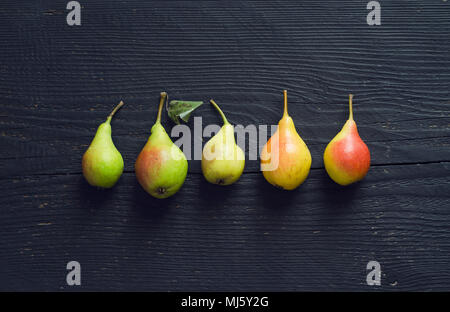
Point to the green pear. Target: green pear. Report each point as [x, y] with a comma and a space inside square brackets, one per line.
[223, 160]
[161, 167]
[102, 163]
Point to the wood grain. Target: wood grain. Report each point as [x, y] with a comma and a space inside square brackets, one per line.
[319, 237]
[57, 83]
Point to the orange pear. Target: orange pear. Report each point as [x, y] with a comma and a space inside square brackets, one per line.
[285, 159]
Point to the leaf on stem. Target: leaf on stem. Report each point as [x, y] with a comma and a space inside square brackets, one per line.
[181, 109]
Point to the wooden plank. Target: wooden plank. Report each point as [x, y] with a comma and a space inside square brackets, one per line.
[319, 237]
[57, 83]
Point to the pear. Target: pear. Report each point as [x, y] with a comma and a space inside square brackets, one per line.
[223, 160]
[347, 157]
[102, 163]
[285, 159]
[161, 167]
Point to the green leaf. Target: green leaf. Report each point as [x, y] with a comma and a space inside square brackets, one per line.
[181, 109]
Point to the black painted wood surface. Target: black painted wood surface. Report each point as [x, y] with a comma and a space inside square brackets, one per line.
[57, 83]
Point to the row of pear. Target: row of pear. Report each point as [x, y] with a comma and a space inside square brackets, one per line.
[161, 166]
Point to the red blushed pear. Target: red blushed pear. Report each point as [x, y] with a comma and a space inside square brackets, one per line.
[285, 159]
[161, 167]
[347, 157]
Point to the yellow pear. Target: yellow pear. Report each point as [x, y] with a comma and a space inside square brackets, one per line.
[285, 159]
[223, 160]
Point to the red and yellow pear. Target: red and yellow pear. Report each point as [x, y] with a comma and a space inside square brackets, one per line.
[347, 157]
[285, 159]
[161, 167]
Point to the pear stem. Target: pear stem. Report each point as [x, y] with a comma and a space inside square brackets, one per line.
[350, 101]
[118, 106]
[285, 104]
[161, 103]
[225, 121]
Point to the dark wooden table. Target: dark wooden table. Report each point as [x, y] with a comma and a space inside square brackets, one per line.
[57, 83]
